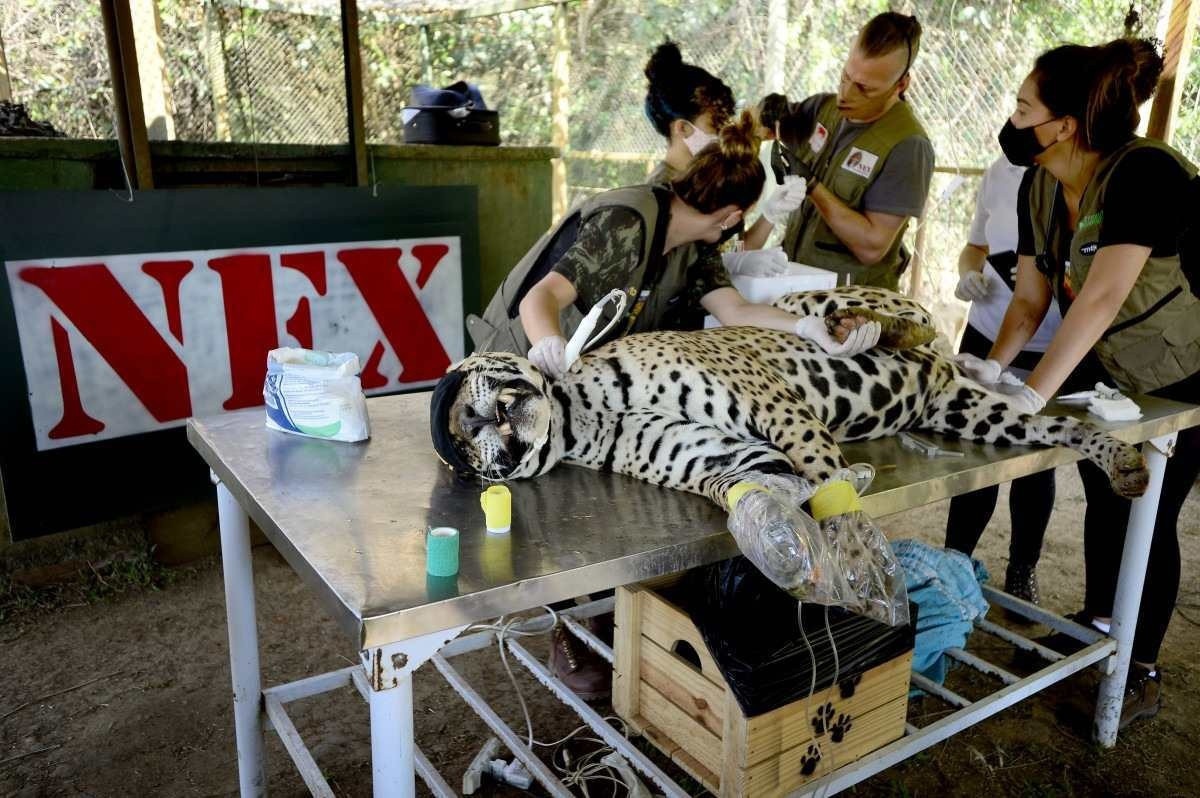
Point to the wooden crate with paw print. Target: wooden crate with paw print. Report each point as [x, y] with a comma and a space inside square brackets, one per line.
[667, 687]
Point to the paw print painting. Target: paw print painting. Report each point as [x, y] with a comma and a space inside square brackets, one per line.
[838, 730]
[822, 719]
[810, 760]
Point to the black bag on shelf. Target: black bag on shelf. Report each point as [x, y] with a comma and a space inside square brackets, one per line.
[753, 631]
[455, 114]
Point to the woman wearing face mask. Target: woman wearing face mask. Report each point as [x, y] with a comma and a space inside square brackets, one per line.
[1101, 215]
[687, 105]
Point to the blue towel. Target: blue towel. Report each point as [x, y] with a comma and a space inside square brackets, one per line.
[944, 584]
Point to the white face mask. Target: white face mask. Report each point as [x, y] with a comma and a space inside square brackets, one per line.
[698, 140]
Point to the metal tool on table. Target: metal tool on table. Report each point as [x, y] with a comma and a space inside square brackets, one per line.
[925, 446]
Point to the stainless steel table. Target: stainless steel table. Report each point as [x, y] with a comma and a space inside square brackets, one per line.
[351, 518]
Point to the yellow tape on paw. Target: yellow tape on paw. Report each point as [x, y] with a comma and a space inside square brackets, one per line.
[834, 498]
[735, 494]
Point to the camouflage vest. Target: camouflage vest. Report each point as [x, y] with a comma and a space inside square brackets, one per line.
[848, 173]
[1154, 341]
[500, 329]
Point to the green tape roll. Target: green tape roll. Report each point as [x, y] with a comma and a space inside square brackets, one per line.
[441, 551]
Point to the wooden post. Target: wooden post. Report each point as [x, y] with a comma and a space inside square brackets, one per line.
[426, 56]
[1177, 47]
[152, 70]
[777, 30]
[5, 86]
[214, 59]
[917, 266]
[127, 92]
[560, 82]
[355, 123]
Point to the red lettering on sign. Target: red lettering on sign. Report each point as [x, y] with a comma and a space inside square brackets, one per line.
[110, 321]
[430, 255]
[169, 274]
[249, 323]
[75, 420]
[312, 266]
[377, 273]
[299, 326]
[371, 377]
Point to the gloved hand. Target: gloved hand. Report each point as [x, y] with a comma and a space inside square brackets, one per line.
[972, 285]
[549, 356]
[1020, 395]
[985, 372]
[860, 339]
[785, 200]
[756, 262]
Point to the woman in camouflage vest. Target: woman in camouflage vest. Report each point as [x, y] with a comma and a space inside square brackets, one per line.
[1101, 214]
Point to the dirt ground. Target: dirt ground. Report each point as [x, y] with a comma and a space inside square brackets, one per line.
[143, 703]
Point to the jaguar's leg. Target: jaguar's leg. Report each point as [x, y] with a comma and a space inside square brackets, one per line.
[977, 415]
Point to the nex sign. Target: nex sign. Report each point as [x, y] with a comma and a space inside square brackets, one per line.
[119, 345]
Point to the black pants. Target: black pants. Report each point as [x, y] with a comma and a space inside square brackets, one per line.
[1030, 501]
[1104, 535]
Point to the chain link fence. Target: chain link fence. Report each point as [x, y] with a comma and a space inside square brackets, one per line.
[1187, 128]
[58, 64]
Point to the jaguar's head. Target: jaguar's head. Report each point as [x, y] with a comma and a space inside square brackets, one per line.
[491, 416]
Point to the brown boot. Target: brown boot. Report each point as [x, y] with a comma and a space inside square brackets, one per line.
[1143, 695]
[585, 672]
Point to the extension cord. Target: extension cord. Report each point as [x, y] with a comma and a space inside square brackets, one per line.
[512, 773]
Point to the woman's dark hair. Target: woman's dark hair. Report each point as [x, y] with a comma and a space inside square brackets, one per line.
[677, 90]
[727, 172]
[1100, 86]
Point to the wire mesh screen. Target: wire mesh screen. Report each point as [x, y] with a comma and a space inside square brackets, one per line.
[58, 64]
[240, 73]
[1187, 128]
[507, 55]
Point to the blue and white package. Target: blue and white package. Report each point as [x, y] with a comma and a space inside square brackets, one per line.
[316, 394]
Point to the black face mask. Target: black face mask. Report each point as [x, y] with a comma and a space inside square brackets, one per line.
[1020, 144]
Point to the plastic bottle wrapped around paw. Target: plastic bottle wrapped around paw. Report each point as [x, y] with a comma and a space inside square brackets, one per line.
[874, 577]
[783, 541]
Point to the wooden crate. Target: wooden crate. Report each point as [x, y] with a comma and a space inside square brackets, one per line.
[691, 715]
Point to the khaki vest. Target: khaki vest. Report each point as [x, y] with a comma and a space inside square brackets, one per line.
[809, 239]
[1154, 341]
[500, 330]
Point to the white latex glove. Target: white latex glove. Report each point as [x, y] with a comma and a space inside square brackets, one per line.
[785, 200]
[971, 286]
[860, 339]
[1020, 395]
[756, 262]
[985, 372]
[549, 356]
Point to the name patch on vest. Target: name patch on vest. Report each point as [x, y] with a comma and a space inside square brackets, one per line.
[1089, 248]
[860, 162]
[818, 138]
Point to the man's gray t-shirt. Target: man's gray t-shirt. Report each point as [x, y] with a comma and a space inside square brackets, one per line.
[903, 182]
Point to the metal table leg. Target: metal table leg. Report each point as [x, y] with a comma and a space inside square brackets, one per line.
[243, 642]
[392, 767]
[1134, 558]
[387, 671]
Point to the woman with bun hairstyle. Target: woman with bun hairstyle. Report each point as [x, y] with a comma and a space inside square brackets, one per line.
[1101, 214]
[687, 105]
[658, 244]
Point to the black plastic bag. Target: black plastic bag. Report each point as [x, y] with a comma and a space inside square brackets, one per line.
[752, 629]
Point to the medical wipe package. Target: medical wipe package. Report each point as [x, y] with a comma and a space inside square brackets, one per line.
[316, 394]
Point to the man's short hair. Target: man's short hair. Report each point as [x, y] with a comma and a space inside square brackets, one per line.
[891, 31]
